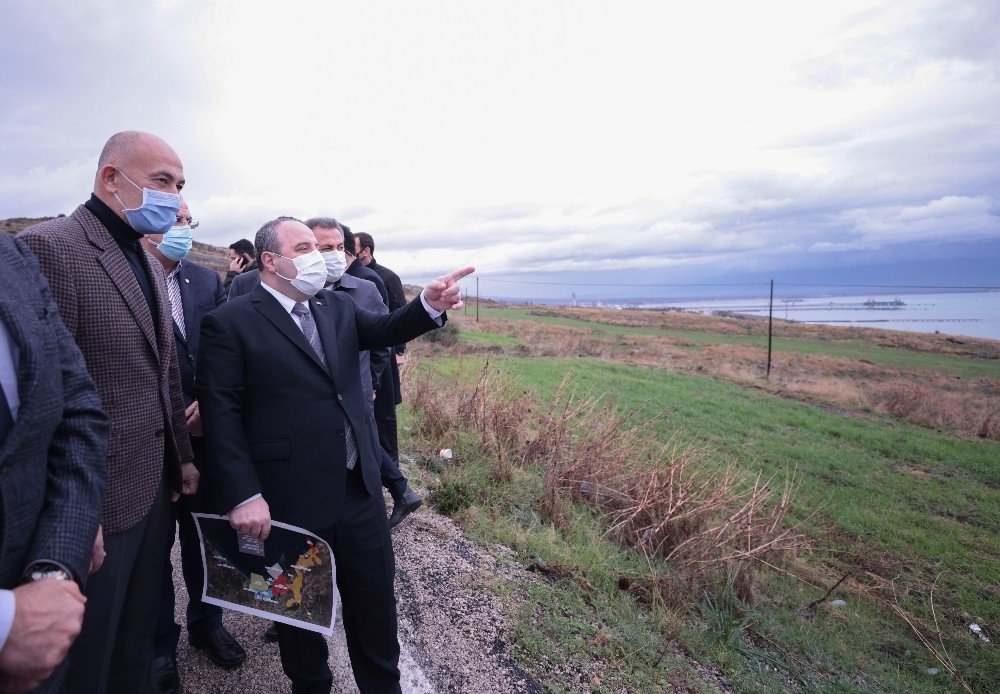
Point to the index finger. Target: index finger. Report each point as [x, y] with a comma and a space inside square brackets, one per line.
[459, 274]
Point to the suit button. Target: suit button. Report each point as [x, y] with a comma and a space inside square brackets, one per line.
[158, 433]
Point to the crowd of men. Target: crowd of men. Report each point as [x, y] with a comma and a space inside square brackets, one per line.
[137, 386]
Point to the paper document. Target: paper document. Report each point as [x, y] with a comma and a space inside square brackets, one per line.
[290, 577]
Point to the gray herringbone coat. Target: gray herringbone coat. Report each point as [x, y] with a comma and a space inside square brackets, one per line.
[133, 364]
[52, 464]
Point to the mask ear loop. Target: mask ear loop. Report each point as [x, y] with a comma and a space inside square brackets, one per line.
[129, 209]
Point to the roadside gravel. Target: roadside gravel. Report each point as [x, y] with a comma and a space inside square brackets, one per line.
[452, 632]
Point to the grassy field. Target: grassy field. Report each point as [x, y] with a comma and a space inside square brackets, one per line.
[901, 507]
[832, 345]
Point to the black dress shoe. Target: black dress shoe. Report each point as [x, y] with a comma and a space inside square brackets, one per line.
[403, 507]
[164, 674]
[220, 647]
[271, 633]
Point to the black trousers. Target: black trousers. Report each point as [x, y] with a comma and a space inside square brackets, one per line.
[114, 650]
[387, 437]
[392, 479]
[202, 618]
[366, 569]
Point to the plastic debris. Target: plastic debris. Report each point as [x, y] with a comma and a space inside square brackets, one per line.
[445, 453]
[978, 631]
[838, 603]
[932, 671]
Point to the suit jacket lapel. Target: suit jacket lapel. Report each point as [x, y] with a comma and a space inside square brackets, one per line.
[321, 311]
[269, 307]
[24, 336]
[154, 271]
[113, 261]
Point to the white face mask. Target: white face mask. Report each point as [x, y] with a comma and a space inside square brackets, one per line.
[310, 274]
[336, 264]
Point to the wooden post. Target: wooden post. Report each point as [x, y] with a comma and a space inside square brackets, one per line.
[477, 299]
[770, 313]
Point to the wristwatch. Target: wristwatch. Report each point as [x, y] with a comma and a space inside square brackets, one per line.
[46, 570]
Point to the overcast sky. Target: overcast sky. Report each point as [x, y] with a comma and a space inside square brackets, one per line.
[679, 140]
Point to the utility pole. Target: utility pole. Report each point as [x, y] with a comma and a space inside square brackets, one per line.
[477, 299]
[770, 312]
[465, 304]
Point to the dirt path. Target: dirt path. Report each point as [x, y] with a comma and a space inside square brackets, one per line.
[452, 631]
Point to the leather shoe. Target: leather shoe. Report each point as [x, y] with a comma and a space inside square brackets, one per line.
[404, 506]
[165, 677]
[220, 647]
[271, 633]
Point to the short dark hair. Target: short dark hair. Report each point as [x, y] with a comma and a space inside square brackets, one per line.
[348, 240]
[366, 241]
[267, 236]
[243, 246]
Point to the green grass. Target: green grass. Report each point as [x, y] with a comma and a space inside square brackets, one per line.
[966, 367]
[924, 502]
[489, 338]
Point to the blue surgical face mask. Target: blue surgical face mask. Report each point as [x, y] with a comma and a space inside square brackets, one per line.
[176, 242]
[157, 213]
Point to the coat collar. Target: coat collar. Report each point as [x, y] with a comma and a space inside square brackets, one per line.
[269, 307]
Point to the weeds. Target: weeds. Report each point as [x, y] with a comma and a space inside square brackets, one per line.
[667, 501]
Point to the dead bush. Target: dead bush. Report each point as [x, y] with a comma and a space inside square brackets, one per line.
[668, 500]
[434, 406]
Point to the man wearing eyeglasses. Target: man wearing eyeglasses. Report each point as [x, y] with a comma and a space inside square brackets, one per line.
[193, 290]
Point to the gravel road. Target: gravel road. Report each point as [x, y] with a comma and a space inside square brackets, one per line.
[452, 632]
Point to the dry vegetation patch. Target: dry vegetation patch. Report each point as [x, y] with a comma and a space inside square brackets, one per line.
[967, 406]
[708, 522]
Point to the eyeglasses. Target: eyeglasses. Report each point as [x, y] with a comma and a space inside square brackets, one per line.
[181, 221]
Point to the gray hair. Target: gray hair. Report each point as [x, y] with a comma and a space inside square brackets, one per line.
[324, 222]
[267, 236]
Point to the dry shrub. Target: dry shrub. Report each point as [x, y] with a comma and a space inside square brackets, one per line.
[935, 406]
[499, 414]
[667, 500]
[899, 398]
[434, 406]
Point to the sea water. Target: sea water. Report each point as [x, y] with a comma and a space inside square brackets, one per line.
[973, 314]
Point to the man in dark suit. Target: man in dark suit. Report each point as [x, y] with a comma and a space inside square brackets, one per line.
[194, 291]
[390, 395]
[355, 268]
[404, 500]
[334, 237]
[285, 427]
[116, 308]
[53, 443]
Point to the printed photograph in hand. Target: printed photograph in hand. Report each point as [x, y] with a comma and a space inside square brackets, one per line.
[289, 577]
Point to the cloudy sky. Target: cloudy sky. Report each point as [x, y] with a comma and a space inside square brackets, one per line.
[579, 141]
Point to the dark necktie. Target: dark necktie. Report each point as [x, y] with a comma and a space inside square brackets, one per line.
[6, 418]
[308, 326]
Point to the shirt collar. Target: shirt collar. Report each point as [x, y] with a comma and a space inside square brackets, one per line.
[173, 273]
[287, 302]
[121, 231]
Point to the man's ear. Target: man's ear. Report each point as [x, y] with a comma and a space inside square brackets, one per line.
[107, 177]
[266, 262]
